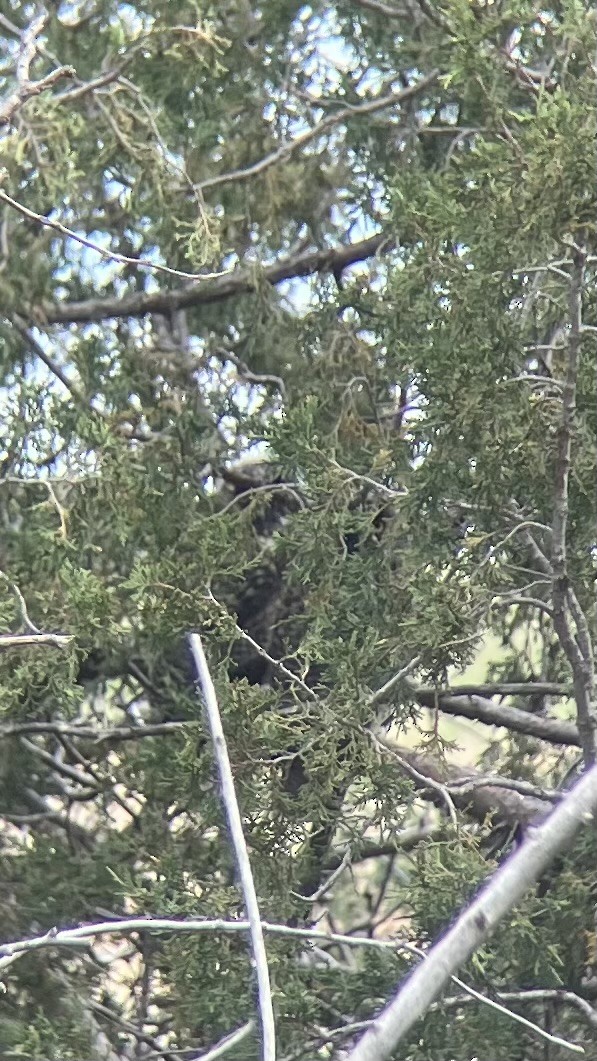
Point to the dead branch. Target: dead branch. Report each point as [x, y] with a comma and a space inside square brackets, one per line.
[266, 1012]
[478, 921]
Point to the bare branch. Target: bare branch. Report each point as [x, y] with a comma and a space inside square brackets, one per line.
[493, 1004]
[49, 362]
[283, 152]
[479, 920]
[480, 795]
[530, 688]
[85, 87]
[227, 1043]
[241, 281]
[25, 620]
[561, 997]
[77, 938]
[352, 476]
[325, 887]
[32, 88]
[264, 488]
[32, 640]
[512, 718]
[130, 1029]
[510, 784]
[381, 694]
[381, 8]
[266, 1011]
[259, 378]
[98, 736]
[113, 256]
[27, 89]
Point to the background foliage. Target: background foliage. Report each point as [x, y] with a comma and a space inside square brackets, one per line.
[348, 444]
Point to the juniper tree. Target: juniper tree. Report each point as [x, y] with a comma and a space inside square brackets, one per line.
[298, 352]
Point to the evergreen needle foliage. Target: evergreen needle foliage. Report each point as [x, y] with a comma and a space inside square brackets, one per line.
[297, 351]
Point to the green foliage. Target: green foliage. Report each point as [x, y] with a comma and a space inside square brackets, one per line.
[345, 465]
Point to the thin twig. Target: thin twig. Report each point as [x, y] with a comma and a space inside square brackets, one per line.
[356, 477]
[263, 488]
[76, 938]
[25, 620]
[259, 378]
[276, 663]
[84, 87]
[327, 884]
[380, 694]
[113, 256]
[423, 780]
[561, 997]
[266, 1011]
[493, 1004]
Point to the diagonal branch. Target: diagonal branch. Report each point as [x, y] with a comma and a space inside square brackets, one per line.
[478, 921]
[113, 256]
[481, 709]
[241, 281]
[26, 88]
[49, 361]
[227, 1043]
[482, 796]
[559, 996]
[138, 1034]
[332, 120]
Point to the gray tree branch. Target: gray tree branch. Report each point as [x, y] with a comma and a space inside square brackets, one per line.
[26, 88]
[478, 921]
[229, 799]
[483, 710]
[241, 281]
